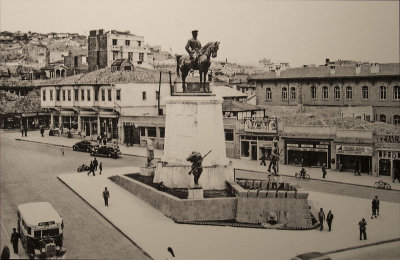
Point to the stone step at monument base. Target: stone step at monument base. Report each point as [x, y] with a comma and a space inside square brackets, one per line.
[147, 171]
[195, 193]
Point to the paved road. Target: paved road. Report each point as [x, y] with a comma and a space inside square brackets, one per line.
[386, 251]
[28, 173]
[329, 187]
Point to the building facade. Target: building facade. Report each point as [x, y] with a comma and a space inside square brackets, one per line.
[106, 47]
[368, 91]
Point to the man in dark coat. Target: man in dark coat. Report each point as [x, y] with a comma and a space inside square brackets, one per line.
[396, 175]
[363, 228]
[14, 240]
[5, 254]
[329, 219]
[95, 163]
[321, 217]
[91, 169]
[42, 131]
[373, 209]
[323, 170]
[376, 205]
[106, 195]
[26, 131]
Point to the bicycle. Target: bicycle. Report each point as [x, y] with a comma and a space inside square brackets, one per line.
[306, 177]
[382, 185]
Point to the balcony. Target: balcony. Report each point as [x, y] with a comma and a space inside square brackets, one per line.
[259, 125]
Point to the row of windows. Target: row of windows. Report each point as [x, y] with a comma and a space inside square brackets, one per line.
[127, 42]
[66, 95]
[382, 118]
[337, 93]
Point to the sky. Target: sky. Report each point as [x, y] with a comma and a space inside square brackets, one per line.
[298, 32]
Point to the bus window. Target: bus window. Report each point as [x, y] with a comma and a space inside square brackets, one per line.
[29, 230]
[37, 234]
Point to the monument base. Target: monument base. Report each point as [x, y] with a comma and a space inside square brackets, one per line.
[195, 193]
[147, 171]
[176, 176]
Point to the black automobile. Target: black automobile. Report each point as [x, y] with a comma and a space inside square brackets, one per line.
[85, 146]
[106, 151]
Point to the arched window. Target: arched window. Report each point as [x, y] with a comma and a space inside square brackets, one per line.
[269, 94]
[349, 92]
[396, 93]
[337, 93]
[313, 92]
[365, 92]
[382, 118]
[382, 93]
[293, 93]
[396, 119]
[284, 93]
[325, 92]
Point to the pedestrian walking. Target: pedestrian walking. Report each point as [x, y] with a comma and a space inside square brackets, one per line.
[101, 167]
[396, 175]
[321, 217]
[323, 170]
[95, 163]
[106, 195]
[374, 206]
[274, 158]
[377, 205]
[14, 240]
[329, 219]
[263, 158]
[5, 254]
[91, 169]
[22, 133]
[363, 228]
[42, 131]
[26, 131]
[62, 150]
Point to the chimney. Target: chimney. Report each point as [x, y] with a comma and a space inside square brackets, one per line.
[358, 68]
[278, 71]
[333, 71]
[327, 62]
[374, 68]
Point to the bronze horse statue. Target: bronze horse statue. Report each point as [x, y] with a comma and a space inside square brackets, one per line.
[202, 63]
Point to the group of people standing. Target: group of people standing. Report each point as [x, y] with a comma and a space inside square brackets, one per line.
[93, 167]
[24, 131]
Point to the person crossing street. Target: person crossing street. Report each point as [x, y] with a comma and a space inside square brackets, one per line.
[329, 219]
[14, 240]
[321, 217]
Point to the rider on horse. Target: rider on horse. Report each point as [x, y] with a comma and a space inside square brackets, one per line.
[193, 47]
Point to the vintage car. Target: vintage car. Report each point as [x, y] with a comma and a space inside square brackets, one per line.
[41, 229]
[106, 151]
[85, 146]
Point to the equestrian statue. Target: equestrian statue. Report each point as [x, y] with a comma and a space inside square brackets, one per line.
[199, 59]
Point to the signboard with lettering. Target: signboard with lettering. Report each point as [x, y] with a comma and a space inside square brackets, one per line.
[307, 145]
[292, 145]
[389, 138]
[261, 125]
[353, 150]
[321, 146]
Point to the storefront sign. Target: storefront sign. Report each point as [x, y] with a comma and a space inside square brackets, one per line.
[306, 149]
[353, 150]
[389, 138]
[262, 125]
[292, 145]
[321, 146]
[307, 145]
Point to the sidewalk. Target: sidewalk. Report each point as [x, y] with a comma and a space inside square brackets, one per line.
[153, 232]
[286, 170]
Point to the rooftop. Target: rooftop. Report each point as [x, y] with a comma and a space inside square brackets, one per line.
[325, 72]
[236, 106]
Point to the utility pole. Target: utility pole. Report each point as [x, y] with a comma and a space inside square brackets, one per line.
[159, 96]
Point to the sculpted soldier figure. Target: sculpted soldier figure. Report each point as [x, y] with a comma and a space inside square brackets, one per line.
[197, 167]
[193, 47]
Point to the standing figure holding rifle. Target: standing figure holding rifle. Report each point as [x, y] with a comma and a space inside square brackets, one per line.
[197, 168]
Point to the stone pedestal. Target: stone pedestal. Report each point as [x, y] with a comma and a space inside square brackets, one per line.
[194, 123]
[147, 171]
[195, 193]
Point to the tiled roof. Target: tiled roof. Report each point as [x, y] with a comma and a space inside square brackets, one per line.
[236, 106]
[227, 92]
[325, 71]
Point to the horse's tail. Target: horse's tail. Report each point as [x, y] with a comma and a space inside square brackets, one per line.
[178, 57]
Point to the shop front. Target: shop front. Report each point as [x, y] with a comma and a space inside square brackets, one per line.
[309, 153]
[253, 147]
[388, 151]
[352, 157]
[131, 134]
[109, 127]
[89, 125]
[70, 122]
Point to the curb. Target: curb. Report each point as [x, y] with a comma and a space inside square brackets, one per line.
[291, 176]
[112, 224]
[143, 156]
[361, 246]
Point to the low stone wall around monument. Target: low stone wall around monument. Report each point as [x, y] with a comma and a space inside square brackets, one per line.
[178, 209]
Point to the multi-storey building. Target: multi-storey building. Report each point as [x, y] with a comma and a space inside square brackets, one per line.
[106, 47]
[368, 91]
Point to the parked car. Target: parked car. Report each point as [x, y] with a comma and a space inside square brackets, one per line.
[312, 256]
[85, 146]
[106, 151]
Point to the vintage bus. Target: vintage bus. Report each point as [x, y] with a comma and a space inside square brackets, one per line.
[41, 229]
